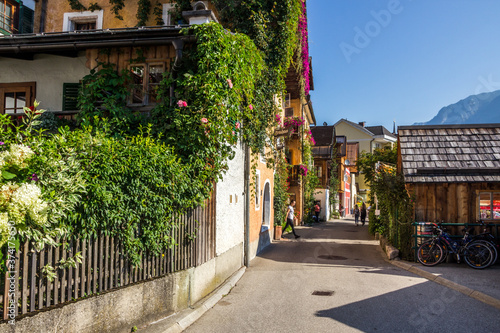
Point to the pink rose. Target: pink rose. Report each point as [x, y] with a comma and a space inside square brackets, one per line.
[233, 132]
[204, 120]
[182, 103]
[230, 83]
[238, 125]
[250, 107]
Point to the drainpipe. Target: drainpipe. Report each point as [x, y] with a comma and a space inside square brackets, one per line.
[247, 206]
[43, 13]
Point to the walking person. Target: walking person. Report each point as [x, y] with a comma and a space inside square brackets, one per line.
[363, 214]
[317, 209]
[356, 214]
[290, 218]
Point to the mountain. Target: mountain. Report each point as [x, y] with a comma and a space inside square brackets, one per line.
[476, 109]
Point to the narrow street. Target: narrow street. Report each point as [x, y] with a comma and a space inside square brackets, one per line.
[368, 294]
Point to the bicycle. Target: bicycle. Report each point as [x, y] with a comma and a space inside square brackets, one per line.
[485, 237]
[476, 254]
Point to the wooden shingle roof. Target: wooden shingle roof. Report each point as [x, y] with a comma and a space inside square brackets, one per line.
[450, 153]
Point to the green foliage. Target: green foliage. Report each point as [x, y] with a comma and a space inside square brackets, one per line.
[94, 6]
[158, 13]
[334, 183]
[50, 271]
[104, 94]
[217, 84]
[310, 180]
[135, 185]
[76, 5]
[143, 12]
[367, 161]
[281, 186]
[117, 6]
[394, 203]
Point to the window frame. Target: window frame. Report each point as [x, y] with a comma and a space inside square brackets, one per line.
[29, 88]
[70, 19]
[491, 194]
[257, 190]
[11, 28]
[146, 84]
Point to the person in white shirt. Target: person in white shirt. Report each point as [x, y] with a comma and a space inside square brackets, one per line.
[290, 218]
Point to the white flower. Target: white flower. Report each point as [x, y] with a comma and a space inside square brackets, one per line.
[4, 228]
[3, 155]
[19, 154]
[26, 200]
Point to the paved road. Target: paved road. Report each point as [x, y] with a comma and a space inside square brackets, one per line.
[369, 294]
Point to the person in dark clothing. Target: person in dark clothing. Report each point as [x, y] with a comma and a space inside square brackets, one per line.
[356, 214]
[290, 218]
[363, 214]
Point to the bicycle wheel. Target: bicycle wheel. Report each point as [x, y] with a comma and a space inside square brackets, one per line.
[492, 247]
[478, 255]
[430, 254]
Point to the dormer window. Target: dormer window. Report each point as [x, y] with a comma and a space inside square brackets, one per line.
[81, 21]
[7, 11]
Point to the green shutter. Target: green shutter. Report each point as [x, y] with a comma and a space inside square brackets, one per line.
[70, 96]
[26, 20]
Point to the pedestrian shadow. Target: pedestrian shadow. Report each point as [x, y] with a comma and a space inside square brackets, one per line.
[419, 308]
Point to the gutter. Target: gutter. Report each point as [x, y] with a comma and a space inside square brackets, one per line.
[247, 206]
[178, 42]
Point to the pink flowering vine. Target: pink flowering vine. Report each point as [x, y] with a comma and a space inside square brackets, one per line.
[238, 125]
[182, 104]
[230, 84]
[250, 107]
[305, 48]
[204, 120]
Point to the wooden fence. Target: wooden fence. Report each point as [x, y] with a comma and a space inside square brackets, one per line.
[104, 267]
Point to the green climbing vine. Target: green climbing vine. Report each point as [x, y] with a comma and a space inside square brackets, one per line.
[143, 10]
[76, 5]
[334, 182]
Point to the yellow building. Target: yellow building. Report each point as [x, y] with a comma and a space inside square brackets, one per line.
[365, 139]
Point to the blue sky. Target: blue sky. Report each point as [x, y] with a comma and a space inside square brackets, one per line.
[384, 60]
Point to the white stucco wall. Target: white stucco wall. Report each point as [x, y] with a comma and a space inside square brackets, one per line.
[49, 72]
[322, 195]
[230, 210]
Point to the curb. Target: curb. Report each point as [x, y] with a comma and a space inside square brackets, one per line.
[187, 317]
[447, 283]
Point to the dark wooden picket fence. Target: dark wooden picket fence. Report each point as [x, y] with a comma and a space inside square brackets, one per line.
[104, 266]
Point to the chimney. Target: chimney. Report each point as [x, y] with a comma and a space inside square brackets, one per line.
[362, 123]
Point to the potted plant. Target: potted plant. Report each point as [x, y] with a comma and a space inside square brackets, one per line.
[277, 231]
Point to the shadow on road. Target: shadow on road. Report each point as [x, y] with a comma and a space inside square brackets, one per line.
[410, 315]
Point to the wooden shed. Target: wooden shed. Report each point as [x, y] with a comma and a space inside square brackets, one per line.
[453, 171]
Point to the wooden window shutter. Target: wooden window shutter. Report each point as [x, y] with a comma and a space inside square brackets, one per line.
[70, 96]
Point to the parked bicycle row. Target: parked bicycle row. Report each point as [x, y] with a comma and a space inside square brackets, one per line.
[478, 251]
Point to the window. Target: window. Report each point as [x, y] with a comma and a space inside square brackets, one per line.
[266, 213]
[168, 8]
[489, 205]
[287, 101]
[7, 11]
[70, 96]
[288, 112]
[319, 171]
[83, 20]
[147, 78]
[15, 96]
[257, 190]
[85, 25]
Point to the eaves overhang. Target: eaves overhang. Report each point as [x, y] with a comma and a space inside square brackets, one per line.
[14, 45]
